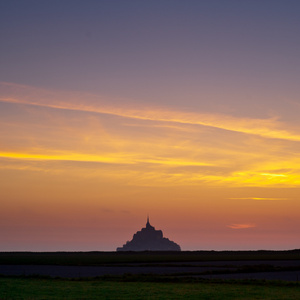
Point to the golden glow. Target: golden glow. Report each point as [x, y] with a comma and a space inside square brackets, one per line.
[64, 163]
[164, 147]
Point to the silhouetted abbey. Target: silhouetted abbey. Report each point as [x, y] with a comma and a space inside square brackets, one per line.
[149, 239]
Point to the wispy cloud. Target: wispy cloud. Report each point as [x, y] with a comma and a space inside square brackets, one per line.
[241, 226]
[109, 158]
[260, 198]
[268, 128]
[152, 147]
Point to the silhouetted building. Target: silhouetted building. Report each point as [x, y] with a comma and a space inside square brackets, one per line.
[149, 239]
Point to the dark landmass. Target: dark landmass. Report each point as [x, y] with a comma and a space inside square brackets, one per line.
[281, 270]
[149, 239]
[98, 258]
[267, 265]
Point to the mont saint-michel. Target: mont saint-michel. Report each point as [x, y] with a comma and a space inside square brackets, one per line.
[149, 239]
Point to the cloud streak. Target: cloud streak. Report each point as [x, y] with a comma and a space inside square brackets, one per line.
[241, 226]
[154, 147]
[270, 199]
[267, 128]
[110, 158]
[260, 198]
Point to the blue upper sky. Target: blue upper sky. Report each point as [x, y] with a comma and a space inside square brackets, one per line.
[192, 54]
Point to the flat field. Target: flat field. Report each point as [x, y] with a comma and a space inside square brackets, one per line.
[42, 288]
[273, 265]
[150, 275]
[104, 258]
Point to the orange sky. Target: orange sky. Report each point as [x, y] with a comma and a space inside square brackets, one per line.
[78, 178]
[184, 110]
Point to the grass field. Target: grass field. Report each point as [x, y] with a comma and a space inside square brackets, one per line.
[44, 288]
[145, 286]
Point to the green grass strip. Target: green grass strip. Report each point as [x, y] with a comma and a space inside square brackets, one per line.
[47, 288]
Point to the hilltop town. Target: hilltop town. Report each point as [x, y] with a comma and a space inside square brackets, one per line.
[149, 239]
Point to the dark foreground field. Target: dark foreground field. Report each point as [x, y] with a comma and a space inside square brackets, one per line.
[143, 288]
[100, 258]
[273, 265]
[271, 270]
[151, 275]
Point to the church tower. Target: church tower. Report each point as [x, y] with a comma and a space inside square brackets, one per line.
[148, 226]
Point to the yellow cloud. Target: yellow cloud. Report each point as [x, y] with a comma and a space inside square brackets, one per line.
[109, 158]
[273, 175]
[157, 147]
[66, 157]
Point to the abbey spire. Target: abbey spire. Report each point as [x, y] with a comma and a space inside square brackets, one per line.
[149, 239]
[148, 226]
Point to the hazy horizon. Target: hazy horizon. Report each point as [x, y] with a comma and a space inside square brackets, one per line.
[184, 110]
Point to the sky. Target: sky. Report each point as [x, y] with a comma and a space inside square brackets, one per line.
[184, 110]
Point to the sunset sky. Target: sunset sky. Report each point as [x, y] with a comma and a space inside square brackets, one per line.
[188, 111]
